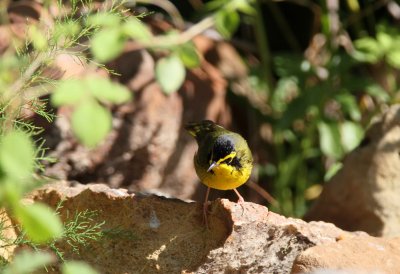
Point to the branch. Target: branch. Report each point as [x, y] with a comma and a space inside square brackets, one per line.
[27, 75]
[168, 41]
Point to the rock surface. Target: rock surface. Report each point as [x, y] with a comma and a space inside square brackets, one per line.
[167, 235]
[8, 234]
[364, 194]
[363, 254]
[152, 234]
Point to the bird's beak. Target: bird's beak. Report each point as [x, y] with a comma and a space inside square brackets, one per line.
[192, 129]
[213, 165]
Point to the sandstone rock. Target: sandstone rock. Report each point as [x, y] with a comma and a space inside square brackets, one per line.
[167, 235]
[364, 195]
[5, 38]
[363, 254]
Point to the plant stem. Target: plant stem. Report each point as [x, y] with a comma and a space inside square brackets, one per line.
[169, 8]
[286, 30]
[262, 42]
[168, 41]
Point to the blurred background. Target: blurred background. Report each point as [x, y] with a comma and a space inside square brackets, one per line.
[300, 80]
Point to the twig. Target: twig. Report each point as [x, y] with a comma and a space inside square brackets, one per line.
[263, 193]
[26, 76]
[184, 37]
[169, 8]
[263, 47]
[17, 88]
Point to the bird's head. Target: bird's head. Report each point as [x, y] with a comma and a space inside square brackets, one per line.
[221, 144]
[224, 151]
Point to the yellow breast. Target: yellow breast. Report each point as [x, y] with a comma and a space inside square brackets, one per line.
[225, 177]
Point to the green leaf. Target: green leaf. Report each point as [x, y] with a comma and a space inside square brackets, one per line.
[189, 56]
[107, 44]
[215, 4]
[393, 58]
[16, 155]
[351, 135]
[66, 29]
[73, 267]
[10, 192]
[105, 19]
[170, 73]
[353, 5]
[349, 105]
[27, 262]
[287, 169]
[68, 92]
[329, 140]
[286, 88]
[301, 105]
[378, 92]
[333, 169]
[226, 22]
[38, 38]
[40, 222]
[367, 50]
[91, 123]
[385, 41]
[135, 29]
[290, 65]
[107, 91]
[245, 7]
[71, 92]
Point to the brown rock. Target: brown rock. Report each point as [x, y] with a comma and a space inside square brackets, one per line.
[5, 38]
[363, 195]
[23, 11]
[66, 66]
[363, 254]
[167, 235]
[265, 242]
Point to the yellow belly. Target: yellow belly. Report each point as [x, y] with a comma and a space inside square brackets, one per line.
[225, 177]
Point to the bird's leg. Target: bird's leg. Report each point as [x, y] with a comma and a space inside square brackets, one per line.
[240, 200]
[205, 207]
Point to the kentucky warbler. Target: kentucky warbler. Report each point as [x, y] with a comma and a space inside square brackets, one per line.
[223, 160]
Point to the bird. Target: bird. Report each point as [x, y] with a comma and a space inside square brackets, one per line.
[223, 160]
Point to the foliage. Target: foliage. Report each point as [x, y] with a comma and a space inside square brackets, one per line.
[168, 68]
[317, 103]
[383, 48]
[27, 262]
[73, 267]
[79, 230]
[91, 121]
[316, 124]
[23, 83]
